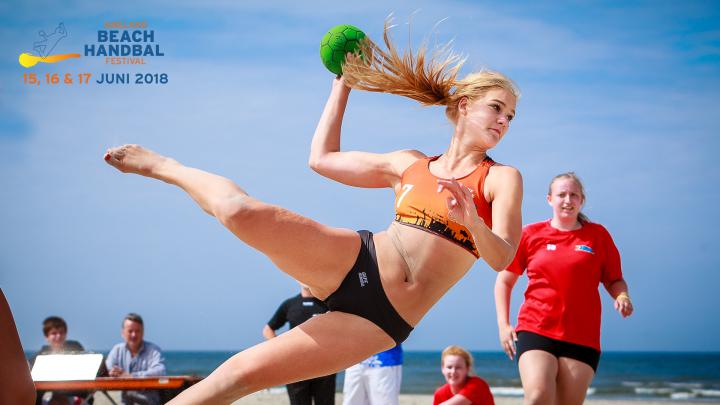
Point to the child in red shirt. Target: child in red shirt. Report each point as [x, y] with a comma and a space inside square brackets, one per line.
[456, 364]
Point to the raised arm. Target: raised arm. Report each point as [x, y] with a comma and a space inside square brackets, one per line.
[359, 169]
[504, 284]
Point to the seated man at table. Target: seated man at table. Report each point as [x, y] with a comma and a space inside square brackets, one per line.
[136, 358]
[55, 330]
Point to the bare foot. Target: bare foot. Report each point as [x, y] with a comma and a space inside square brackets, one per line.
[134, 159]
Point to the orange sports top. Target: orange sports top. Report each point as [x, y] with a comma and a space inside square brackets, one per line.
[420, 205]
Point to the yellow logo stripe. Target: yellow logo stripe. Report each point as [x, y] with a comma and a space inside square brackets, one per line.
[29, 60]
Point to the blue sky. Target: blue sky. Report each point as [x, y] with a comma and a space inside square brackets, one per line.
[624, 95]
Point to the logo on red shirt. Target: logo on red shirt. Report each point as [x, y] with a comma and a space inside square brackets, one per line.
[584, 248]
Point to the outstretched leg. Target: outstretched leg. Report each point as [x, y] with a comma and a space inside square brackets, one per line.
[314, 254]
[323, 345]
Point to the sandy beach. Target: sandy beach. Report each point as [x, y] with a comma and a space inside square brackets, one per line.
[280, 398]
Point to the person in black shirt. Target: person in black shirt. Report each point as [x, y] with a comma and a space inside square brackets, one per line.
[295, 311]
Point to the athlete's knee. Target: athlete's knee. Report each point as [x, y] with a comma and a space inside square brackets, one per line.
[229, 382]
[235, 210]
[247, 378]
[574, 398]
[241, 374]
[537, 395]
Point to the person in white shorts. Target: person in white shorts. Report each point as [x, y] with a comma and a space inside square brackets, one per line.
[376, 380]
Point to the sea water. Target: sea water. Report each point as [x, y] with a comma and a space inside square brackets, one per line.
[621, 375]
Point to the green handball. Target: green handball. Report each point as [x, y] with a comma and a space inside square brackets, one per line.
[340, 40]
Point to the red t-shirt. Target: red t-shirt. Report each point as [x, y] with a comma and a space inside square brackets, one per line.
[475, 389]
[564, 269]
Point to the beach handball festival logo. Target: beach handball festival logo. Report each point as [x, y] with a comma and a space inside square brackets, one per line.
[42, 49]
[124, 43]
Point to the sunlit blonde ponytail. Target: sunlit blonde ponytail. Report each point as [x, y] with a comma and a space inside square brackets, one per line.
[431, 80]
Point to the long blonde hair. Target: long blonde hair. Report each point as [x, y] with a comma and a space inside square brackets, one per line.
[431, 80]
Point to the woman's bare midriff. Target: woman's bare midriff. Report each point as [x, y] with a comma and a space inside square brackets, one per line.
[417, 268]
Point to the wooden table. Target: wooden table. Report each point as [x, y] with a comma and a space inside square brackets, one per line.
[104, 384]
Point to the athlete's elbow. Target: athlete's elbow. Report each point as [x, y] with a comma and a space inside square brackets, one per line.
[322, 166]
[502, 262]
[316, 162]
[499, 266]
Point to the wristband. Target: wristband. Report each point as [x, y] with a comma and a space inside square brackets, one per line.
[623, 295]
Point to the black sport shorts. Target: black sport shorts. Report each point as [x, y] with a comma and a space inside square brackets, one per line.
[532, 341]
[361, 293]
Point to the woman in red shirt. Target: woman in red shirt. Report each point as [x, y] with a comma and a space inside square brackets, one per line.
[557, 337]
[462, 388]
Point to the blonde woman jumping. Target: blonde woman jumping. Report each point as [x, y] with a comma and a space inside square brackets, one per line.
[451, 209]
